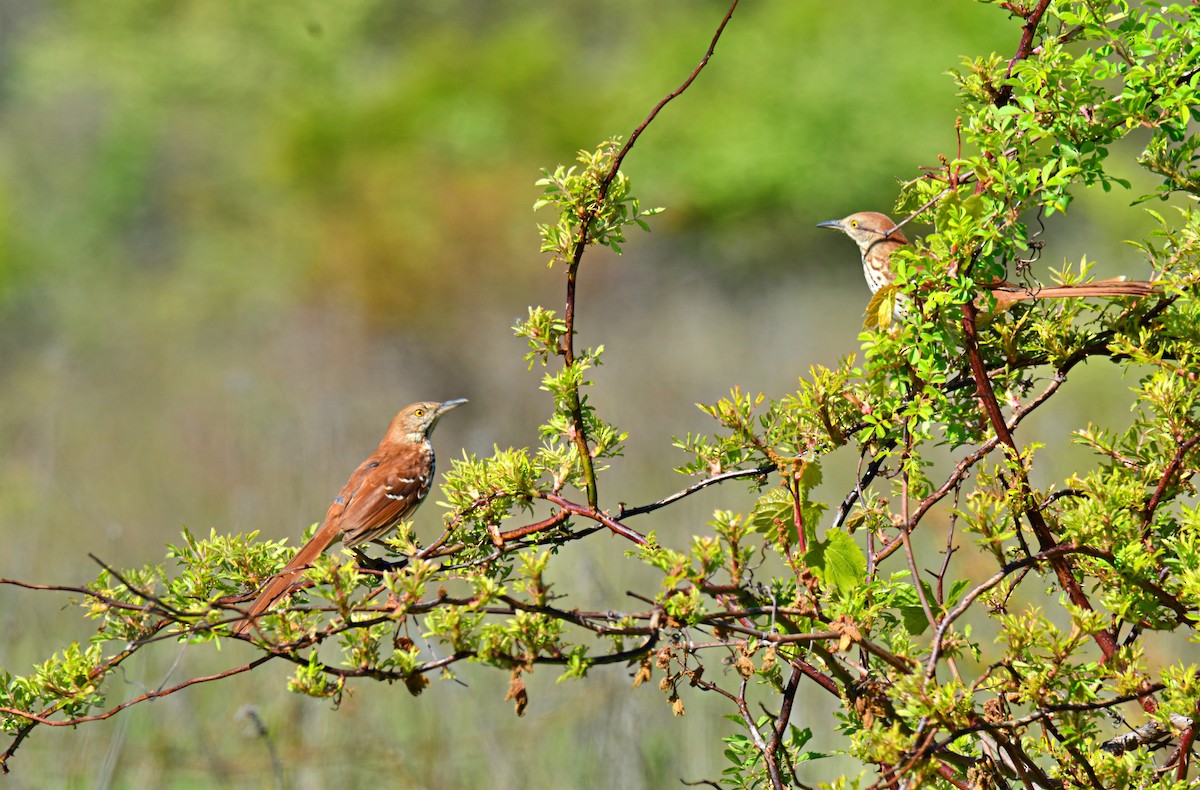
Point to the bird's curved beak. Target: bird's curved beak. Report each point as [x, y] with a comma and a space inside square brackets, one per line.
[450, 404]
[835, 224]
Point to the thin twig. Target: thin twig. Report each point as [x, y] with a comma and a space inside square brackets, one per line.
[575, 405]
[761, 471]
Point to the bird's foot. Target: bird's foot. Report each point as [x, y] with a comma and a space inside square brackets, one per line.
[378, 564]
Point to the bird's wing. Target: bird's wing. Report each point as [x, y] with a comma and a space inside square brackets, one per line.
[381, 492]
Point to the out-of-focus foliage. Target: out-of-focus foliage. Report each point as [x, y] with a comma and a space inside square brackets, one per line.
[362, 151]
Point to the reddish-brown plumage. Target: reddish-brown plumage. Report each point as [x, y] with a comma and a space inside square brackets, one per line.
[877, 236]
[383, 491]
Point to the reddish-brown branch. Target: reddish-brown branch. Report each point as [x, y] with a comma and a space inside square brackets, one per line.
[951, 776]
[987, 396]
[820, 678]
[1168, 475]
[1185, 751]
[958, 474]
[500, 538]
[43, 719]
[785, 712]
[1024, 49]
[579, 432]
[712, 47]
[792, 481]
[969, 598]
[991, 406]
[565, 511]
[597, 515]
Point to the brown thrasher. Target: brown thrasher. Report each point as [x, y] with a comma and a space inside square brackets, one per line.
[384, 490]
[876, 236]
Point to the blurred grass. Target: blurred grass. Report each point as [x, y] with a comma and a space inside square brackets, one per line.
[235, 237]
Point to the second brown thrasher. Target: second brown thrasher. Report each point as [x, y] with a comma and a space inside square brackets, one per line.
[877, 236]
[385, 490]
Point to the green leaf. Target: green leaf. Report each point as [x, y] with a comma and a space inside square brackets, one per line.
[838, 561]
[956, 588]
[912, 614]
[771, 508]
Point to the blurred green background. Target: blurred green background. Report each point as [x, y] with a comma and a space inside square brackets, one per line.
[236, 236]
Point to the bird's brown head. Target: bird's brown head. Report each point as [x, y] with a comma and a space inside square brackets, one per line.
[867, 228]
[876, 236]
[416, 421]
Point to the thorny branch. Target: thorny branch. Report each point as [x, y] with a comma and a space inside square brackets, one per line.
[581, 243]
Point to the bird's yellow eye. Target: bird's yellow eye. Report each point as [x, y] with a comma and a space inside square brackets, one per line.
[854, 223]
[419, 413]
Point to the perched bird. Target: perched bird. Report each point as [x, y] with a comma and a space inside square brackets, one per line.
[877, 236]
[385, 490]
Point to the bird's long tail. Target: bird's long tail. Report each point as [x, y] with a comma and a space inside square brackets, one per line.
[282, 582]
[1007, 293]
[1113, 287]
